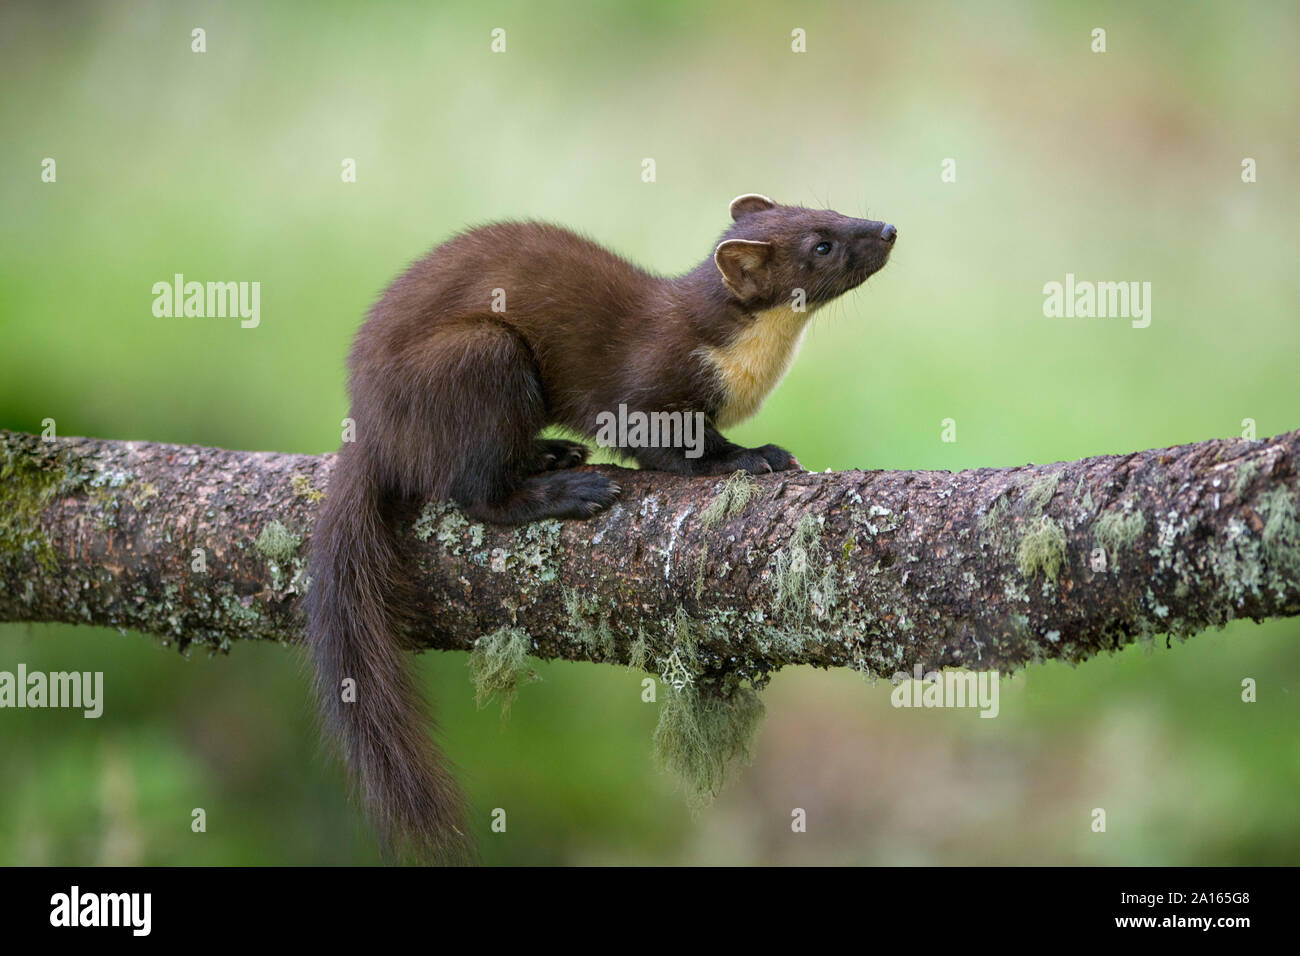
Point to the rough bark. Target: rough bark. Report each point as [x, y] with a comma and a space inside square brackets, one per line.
[874, 570]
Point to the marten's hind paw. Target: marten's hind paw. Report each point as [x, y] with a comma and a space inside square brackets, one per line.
[548, 494]
[557, 453]
[580, 494]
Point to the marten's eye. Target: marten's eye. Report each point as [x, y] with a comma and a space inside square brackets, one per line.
[822, 249]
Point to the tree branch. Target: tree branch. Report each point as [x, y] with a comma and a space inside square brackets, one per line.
[878, 570]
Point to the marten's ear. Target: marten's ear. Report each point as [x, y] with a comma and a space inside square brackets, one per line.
[743, 265]
[750, 202]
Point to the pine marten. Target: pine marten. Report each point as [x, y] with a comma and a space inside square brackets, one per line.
[494, 335]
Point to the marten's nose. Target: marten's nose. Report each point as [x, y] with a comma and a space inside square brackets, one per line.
[888, 232]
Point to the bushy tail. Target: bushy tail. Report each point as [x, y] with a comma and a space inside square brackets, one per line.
[358, 609]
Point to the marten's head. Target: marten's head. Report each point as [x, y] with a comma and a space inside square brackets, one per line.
[772, 251]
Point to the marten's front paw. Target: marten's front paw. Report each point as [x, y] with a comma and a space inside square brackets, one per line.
[778, 457]
[557, 453]
[759, 461]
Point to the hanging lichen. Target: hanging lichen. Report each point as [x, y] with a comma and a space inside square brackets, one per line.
[703, 728]
[701, 734]
[736, 493]
[1042, 549]
[497, 664]
[1116, 531]
[801, 591]
[277, 542]
[1041, 492]
[1281, 537]
[638, 653]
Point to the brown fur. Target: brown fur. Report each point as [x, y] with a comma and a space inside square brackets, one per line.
[448, 397]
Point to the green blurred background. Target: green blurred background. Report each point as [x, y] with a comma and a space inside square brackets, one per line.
[226, 166]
